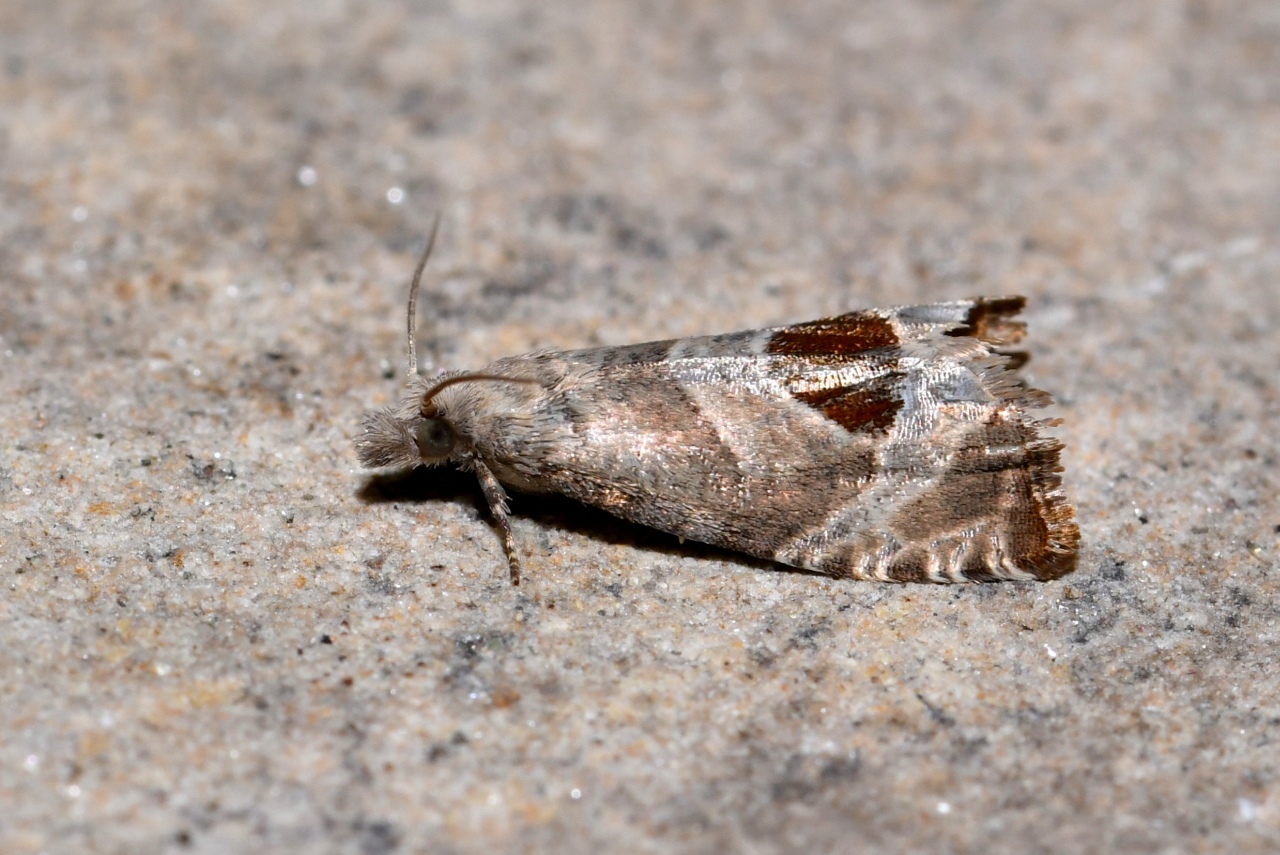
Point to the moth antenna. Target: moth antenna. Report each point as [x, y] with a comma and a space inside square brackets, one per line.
[469, 378]
[413, 296]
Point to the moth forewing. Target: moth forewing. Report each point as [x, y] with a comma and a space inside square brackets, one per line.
[889, 444]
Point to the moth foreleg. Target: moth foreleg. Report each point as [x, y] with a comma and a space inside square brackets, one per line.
[497, 499]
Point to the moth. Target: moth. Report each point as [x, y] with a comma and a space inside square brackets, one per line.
[887, 444]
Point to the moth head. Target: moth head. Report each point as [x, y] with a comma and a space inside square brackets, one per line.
[391, 440]
[417, 433]
[414, 433]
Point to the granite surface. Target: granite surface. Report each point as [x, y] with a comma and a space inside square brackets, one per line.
[218, 634]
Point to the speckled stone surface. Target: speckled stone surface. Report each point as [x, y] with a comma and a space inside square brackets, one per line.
[218, 635]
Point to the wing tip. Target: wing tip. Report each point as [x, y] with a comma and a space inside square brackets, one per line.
[992, 320]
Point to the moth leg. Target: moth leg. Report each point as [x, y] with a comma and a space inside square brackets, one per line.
[497, 499]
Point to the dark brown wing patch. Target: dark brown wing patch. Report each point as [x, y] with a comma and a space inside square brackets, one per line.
[842, 336]
[868, 408]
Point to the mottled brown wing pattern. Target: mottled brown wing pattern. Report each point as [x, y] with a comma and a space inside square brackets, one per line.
[892, 444]
[888, 444]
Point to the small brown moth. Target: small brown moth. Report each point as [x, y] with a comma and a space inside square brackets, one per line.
[890, 444]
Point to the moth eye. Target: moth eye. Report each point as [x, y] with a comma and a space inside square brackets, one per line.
[435, 438]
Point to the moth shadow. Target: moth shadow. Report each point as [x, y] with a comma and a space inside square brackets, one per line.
[421, 486]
